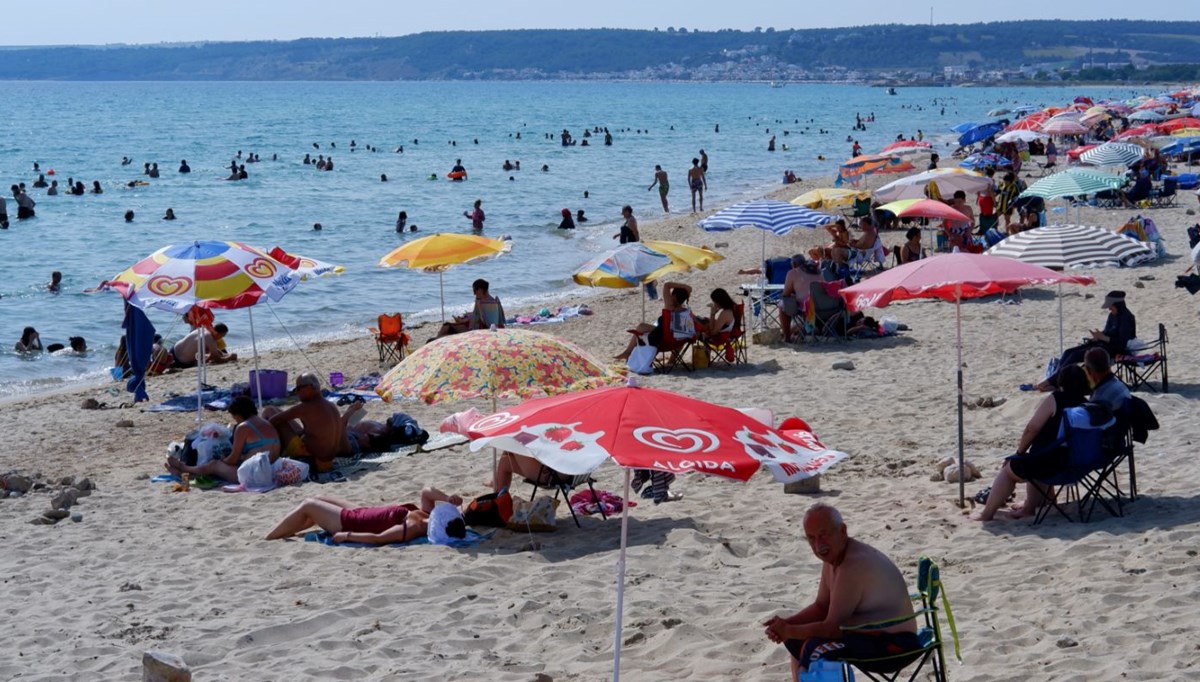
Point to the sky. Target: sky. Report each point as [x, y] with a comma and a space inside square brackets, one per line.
[98, 22]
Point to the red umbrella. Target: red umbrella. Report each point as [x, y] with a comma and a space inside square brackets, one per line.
[646, 428]
[1177, 123]
[953, 277]
[1148, 130]
[906, 147]
[1032, 122]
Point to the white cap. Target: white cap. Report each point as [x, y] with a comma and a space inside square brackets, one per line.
[443, 513]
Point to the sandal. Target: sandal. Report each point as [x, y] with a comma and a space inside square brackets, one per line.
[982, 495]
[1027, 387]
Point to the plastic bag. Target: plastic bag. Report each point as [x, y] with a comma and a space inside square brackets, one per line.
[289, 472]
[256, 474]
[641, 360]
[537, 516]
[889, 324]
[821, 670]
[214, 442]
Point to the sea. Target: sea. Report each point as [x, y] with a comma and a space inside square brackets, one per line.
[83, 130]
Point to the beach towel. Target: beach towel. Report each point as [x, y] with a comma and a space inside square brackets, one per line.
[473, 538]
[583, 502]
[216, 399]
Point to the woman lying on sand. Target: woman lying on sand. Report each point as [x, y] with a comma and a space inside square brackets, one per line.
[370, 525]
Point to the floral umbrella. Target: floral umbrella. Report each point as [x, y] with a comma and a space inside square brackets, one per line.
[646, 428]
[493, 364]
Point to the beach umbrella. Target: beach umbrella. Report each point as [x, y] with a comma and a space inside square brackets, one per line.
[828, 198]
[952, 277]
[906, 147]
[1146, 115]
[1021, 135]
[1145, 130]
[1073, 182]
[874, 164]
[646, 428]
[971, 125]
[1067, 246]
[627, 266]
[984, 160]
[1064, 126]
[306, 268]
[207, 275]
[978, 133]
[493, 364]
[1113, 154]
[923, 208]
[1185, 132]
[949, 180]
[1177, 123]
[768, 215]
[999, 112]
[1031, 122]
[694, 257]
[440, 251]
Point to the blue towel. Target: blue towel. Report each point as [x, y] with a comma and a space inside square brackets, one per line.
[166, 478]
[139, 343]
[187, 403]
[473, 538]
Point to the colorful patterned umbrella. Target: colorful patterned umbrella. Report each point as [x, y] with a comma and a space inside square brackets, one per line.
[698, 257]
[626, 266]
[493, 364]
[307, 268]
[828, 198]
[907, 147]
[923, 208]
[437, 252]
[208, 274]
[853, 170]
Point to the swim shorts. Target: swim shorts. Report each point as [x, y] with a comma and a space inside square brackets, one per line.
[856, 645]
[663, 188]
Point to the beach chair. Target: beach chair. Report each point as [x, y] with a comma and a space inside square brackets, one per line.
[672, 352]
[390, 339]
[491, 313]
[563, 485]
[728, 348]
[830, 316]
[1096, 445]
[1145, 366]
[931, 653]
[1164, 197]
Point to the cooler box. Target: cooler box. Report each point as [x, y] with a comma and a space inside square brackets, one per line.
[274, 383]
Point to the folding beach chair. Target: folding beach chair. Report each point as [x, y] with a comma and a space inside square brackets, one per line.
[1146, 365]
[729, 347]
[830, 317]
[390, 339]
[563, 485]
[672, 351]
[1095, 444]
[890, 668]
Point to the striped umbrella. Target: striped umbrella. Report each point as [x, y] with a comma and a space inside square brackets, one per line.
[1113, 154]
[779, 217]
[1146, 115]
[1063, 126]
[1067, 246]
[1071, 183]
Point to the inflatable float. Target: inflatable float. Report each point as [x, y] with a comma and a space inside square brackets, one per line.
[457, 175]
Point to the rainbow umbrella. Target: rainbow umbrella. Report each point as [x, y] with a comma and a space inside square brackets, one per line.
[923, 208]
[437, 252]
[494, 364]
[627, 266]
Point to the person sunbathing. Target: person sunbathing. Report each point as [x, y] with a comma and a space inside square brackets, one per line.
[1036, 457]
[838, 250]
[311, 431]
[252, 435]
[683, 324]
[347, 522]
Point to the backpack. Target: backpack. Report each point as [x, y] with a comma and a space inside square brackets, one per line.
[1193, 234]
[492, 510]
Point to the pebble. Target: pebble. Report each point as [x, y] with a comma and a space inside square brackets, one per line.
[85, 484]
[1139, 285]
[1190, 211]
[56, 514]
[65, 499]
[844, 364]
[1065, 642]
[67, 480]
[17, 483]
[77, 517]
[542, 677]
[125, 424]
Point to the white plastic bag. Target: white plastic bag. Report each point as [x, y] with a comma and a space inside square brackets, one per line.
[256, 474]
[287, 471]
[641, 360]
[889, 324]
[214, 442]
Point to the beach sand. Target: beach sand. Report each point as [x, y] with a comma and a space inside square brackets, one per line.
[1115, 599]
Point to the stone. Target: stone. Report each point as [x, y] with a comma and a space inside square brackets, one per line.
[56, 514]
[77, 517]
[18, 483]
[1065, 642]
[67, 480]
[766, 337]
[721, 245]
[124, 424]
[15, 493]
[160, 666]
[65, 499]
[542, 677]
[1139, 285]
[805, 486]
[1190, 211]
[43, 521]
[844, 364]
[84, 484]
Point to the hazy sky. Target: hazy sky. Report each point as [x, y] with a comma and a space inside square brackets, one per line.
[151, 21]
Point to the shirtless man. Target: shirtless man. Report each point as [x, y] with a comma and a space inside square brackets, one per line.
[312, 431]
[187, 349]
[696, 183]
[660, 179]
[859, 584]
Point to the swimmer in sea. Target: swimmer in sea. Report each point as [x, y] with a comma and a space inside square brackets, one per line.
[184, 167]
[316, 227]
[52, 190]
[579, 216]
[401, 221]
[129, 216]
[96, 189]
[383, 177]
[170, 214]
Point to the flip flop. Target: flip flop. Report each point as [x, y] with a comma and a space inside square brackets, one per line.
[1027, 387]
[982, 495]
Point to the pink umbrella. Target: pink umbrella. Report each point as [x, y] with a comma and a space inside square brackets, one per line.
[1063, 126]
[924, 208]
[953, 277]
[906, 147]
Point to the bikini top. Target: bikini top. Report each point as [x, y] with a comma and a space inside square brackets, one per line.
[261, 442]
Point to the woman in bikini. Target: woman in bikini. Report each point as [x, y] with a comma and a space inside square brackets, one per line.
[720, 318]
[347, 522]
[253, 434]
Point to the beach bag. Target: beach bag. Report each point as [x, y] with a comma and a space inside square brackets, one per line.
[699, 356]
[492, 510]
[213, 442]
[289, 472]
[641, 360]
[537, 516]
[821, 670]
[256, 474]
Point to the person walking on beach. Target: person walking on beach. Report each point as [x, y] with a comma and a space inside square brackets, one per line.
[476, 216]
[696, 183]
[859, 584]
[660, 179]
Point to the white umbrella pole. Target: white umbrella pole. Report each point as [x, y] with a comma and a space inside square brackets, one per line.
[621, 580]
[254, 348]
[958, 345]
[643, 306]
[442, 295]
[1060, 321]
[200, 379]
[495, 457]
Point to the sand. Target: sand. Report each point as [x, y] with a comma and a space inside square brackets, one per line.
[147, 568]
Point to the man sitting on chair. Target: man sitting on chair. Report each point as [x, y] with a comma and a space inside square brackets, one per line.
[487, 312]
[795, 292]
[859, 585]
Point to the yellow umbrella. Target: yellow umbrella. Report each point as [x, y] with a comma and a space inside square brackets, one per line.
[829, 198]
[627, 266]
[699, 257]
[1186, 132]
[439, 251]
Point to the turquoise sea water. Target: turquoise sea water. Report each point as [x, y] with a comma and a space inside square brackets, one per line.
[82, 130]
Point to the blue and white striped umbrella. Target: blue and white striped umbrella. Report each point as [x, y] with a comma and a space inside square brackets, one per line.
[779, 217]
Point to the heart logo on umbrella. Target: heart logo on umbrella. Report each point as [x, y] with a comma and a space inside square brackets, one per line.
[682, 441]
[169, 286]
[494, 421]
[261, 268]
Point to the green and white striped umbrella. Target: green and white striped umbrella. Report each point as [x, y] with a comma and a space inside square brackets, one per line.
[1073, 182]
[1113, 154]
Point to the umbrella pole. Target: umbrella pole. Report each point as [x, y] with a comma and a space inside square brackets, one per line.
[1060, 321]
[621, 580]
[442, 295]
[254, 348]
[958, 345]
[643, 306]
[494, 455]
[200, 381]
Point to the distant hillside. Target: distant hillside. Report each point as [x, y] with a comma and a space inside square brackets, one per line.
[612, 53]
